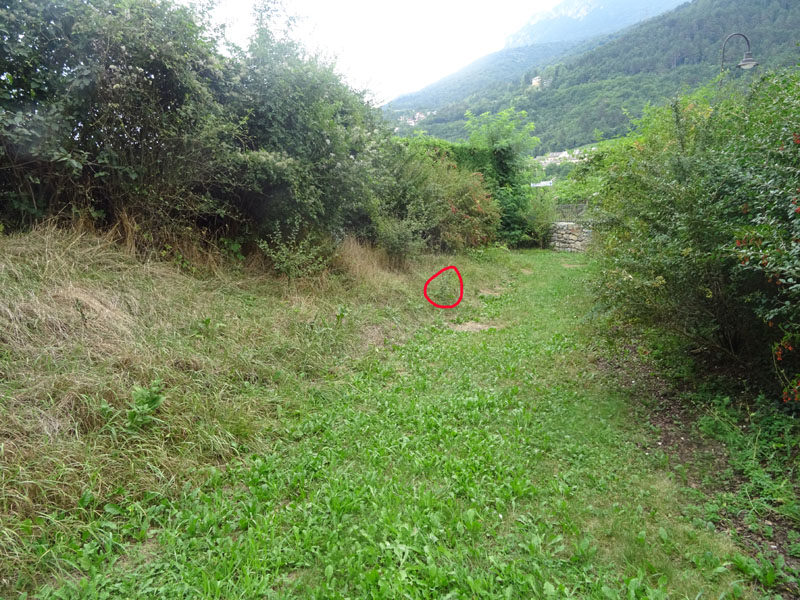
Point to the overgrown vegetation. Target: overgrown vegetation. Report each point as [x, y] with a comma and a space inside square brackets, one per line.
[128, 116]
[121, 381]
[498, 150]
[697, 225]
[700, 226]
[187, 427]
[168, 433]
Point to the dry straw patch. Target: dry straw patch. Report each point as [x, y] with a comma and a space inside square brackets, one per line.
[78, 322]
[83, 321]
[472, 327]
[363, 263]
[491, 292]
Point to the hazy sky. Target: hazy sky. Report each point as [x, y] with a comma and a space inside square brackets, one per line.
[395, 47]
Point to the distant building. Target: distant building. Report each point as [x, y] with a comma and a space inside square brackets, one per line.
[413, 121]
[557, 158]
[537, 81]
[543, 184]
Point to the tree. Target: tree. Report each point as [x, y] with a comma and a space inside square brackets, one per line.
[500, 145]
[508, 136]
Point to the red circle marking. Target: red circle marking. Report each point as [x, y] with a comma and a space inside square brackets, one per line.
[460, 284]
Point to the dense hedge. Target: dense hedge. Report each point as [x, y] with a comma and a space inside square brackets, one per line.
[498, 149]
[699, 223]
[127, 110]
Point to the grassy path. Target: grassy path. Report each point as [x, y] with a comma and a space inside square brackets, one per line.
[497, 463]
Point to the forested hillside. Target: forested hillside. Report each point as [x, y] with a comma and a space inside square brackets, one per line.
[597, 91]
[505, 69]
[573, 25]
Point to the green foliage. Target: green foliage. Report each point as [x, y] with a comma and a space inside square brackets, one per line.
[207, 328]
[499, 200]
[514, 203]
[311, 142]
[761, 438]
[558, 170]
[580, 186]
[294, 254]
[455, 209]
[698, 222]
[177, 258]
[397, 238]
[99, 129]
[508, 138]
[146, 400]
[128, 115]
[444, 203]
[309, 493]
[502, 143]
[232, 248]
[762, 570]
[540, 217]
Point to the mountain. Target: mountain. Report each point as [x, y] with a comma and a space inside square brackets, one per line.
[572, 26]
[500, 68]
[575, 20]
[599, 85]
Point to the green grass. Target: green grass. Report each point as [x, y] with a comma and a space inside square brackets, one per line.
[224, 437]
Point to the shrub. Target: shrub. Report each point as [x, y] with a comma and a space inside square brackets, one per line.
[505, 139]
[699, 227]
[498, 148]
[397, 238]
[293, 254]
[453, 207]
[540, 217]
[448, 207]
[111, 111]
[101, 116]
[114, 114]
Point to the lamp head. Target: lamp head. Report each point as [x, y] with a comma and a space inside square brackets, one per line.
[748, 62]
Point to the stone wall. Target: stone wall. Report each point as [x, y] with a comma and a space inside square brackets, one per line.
[569, 236]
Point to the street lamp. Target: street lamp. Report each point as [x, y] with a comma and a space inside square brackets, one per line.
[748, 62]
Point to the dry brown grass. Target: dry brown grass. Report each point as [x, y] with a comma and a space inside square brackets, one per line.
[473, 327]
[85, 318]
[362, 262]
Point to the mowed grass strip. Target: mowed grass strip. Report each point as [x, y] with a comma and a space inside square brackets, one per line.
[493, 462]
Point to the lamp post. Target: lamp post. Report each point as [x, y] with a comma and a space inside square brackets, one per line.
[748, 62]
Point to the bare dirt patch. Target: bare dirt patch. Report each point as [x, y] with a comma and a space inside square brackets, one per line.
[569, 266]
[526, 271]
[473, 326]
[494, 292]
